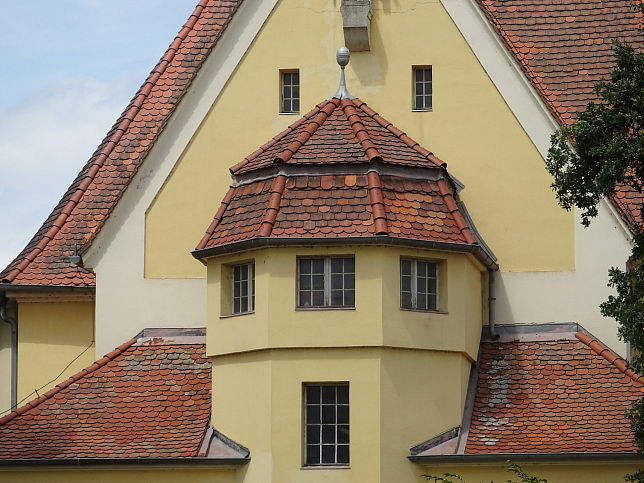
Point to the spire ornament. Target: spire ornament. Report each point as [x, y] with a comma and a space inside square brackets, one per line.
[342, 56]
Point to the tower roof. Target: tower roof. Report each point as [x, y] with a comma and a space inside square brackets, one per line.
[341, 172]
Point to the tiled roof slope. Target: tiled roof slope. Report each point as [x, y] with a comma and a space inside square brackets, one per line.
[143, 400]
[565, 48]
[566, 395]
[90, 199]
[340, 171]
[339, 131]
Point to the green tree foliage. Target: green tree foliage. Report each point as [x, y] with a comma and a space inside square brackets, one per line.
[511, 468]
[604, 148]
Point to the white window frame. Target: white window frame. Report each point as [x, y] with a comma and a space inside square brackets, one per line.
[414, 284]
[283, 73]
[417, 68]
[335, 425]
[327, 283]
[251, 288]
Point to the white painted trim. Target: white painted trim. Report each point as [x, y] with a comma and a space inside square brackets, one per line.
[508, 76]
[126, 301]
[188, 116]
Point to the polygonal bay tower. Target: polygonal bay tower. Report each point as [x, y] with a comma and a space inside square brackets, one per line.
[338, 260]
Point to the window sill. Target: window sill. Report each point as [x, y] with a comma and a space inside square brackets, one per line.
[306, 309]
[228, 316]
[326, 467]
[422, 110]
[441, 312]
[289, 113]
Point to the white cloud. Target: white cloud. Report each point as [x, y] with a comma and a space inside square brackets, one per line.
[44, 143]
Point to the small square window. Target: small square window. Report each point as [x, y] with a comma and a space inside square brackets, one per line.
[326, 282]
[418, 285]
[290, 91]
[243, 288]
[326, 424]
[422, 82]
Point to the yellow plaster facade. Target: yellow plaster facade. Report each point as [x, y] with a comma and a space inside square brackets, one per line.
[50, 336]
[500, 183]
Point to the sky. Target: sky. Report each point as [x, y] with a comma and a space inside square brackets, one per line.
[69, 68]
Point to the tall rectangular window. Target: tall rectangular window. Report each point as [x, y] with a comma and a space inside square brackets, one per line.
[418, 284]
[422, 98]
[289, 92]
[326, 282]
[326, 424]
[243, 290]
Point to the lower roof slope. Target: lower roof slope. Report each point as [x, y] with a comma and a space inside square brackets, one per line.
[555, 391]
[90, 199]
[149, 398]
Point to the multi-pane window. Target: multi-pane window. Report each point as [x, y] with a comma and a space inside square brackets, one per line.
[326, 424]
[243, 289]
[422, 88]
[290, 92]
[418, 284]
[326, 282]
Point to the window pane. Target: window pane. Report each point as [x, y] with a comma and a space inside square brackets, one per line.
[405, 300]
[422, 302]
[328, 414]
[313, 414]
[295, 105]
[349, 281]
[419, 75]
[349, 298]
[343, 414]
[305, 282]
[313, 434]
[421, 283]
[343, 434]
[328, 394]
[318, 282]
[328, 434]
[236, 306]
[305, 298]
[244, 304]
[336, 265]
[312, 394]
[305, 265]
[343, 394]
[336, 298]
[343, 454]
[405, 267]
[318, 299]
[336, 281]
[433, 303]
[419, 102]
[349, 265]
[328, 453]
[317, 265]
[312, 455]
[405, 283]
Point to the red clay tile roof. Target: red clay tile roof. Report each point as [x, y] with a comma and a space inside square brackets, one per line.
[92, 196]
[552, 396]
[565, 48]
[321, 178]
[147, 401]
[339, 131]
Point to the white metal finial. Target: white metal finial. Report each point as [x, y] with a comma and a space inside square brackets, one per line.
[342, 56]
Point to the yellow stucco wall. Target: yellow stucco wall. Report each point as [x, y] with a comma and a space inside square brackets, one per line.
[120, 474]
[376, 320]
[5, 363]
[470, 127]
[50, 336]
[257, 400]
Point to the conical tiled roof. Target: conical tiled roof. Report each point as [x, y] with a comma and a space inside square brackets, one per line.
[341, 171]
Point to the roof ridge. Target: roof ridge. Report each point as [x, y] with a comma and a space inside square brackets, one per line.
[59, 387]
[377, 200]
[451, 205]
[107, 145]
[359, 129]
[307, 117]
[362, 105]
[600, 349]
[270, 213]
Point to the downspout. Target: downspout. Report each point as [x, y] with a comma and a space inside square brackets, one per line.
[491, 302]
[14, 348]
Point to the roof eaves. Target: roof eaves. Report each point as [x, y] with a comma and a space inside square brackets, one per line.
[477, 458]
[123, 462]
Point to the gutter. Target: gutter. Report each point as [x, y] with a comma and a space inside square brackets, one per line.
[46, 288]
[262, 242]
[121, 462]
[14, 348]
[617, 457]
